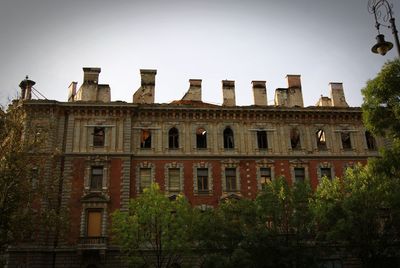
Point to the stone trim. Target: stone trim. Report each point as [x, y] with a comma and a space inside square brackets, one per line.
[264, 163]
[92, 161]
[144, 164]
[166, 176]
[210, 178]
[298, 163]
[325, 165]
[230, 163]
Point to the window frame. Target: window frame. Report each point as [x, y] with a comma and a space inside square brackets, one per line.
[228, 137]
[201, 179]
[99, 140]
[98, 178]
[262, 139]
[173, 138]
[201, 138]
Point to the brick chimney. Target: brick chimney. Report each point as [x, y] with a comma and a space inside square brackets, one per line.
[260, 93]
[26, 88]
[337, 95]
[146, 92]
[228, 92]
[194, 92]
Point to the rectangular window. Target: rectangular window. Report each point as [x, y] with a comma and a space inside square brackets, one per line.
[144, 179]
[326, 172]
[96, 178]
[299, 174]
[265, 177]
[202, 180]
[230, 179]
[174, 180]
[93, 228]
[145, 139]
[346, 140]
[98, 136]
[262, 139]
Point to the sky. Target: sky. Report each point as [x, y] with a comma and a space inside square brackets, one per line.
[213, 40]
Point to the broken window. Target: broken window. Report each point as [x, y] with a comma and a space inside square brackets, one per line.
[326, 172]
[202, 180]
[371, 143]
[201, 138]
[173, 138]
[321, 139]
[145, 139]
[346, 141]
[98, 136]
[96, 178]
[299, 174]
[230, 179]
[295, 139]
[265, 177]
[262, 139]
[228, 138]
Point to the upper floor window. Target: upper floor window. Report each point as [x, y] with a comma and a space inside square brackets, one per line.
[295, 138]
[96, 178]
[174, 180]
[173, 138]
[265, 177]
[228, 138]
[144, 178]
[145, 139]
[202, 180]
[371, 143]
[299, 174]
[262, 141]
[201, 138]
[346, 141]
[98, 136]
[326, 172]
[321, 139]
[230, 179]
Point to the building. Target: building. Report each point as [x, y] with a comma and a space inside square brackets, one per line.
[111, 150]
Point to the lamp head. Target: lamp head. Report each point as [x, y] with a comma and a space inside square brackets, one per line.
[382, 46]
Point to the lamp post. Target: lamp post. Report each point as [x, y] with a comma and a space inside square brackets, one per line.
[382, 11]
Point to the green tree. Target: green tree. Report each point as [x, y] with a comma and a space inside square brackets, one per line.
[154, 232]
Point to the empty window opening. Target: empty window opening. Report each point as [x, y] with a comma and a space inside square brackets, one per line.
[326, 172]
[262, 139]
[299, 174]
[346, 141]
[295, 139]
[145, 141]
[321, 139]
[98, 136]
[265, 177]
[202, 180]
[201, 138]
[173, 138]
[371, 143]
[228, 138]
[230, 179]
[96, 178]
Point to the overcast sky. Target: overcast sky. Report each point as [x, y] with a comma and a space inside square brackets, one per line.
[243, 40]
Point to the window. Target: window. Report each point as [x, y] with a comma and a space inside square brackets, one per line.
[202, 180]
[93, 228]
[96, 178]
[201, 138]
[144, 179]
[174, 180]
[265, 177]
[230, 179]
[228, 138]
[326, 172]
[295, 138]
[262, 139]
[346, 141]
[299, 174]
[145, 140]
[321, 139]
[173, 138]
[371, 143]
[98, 136]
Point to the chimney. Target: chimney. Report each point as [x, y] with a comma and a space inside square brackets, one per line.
[228, 92]
[194, 92]
[145, 94]
[295, 96]
[260, 93]
[26, 88]
[72, 91]
[337, 95]
[91, 75]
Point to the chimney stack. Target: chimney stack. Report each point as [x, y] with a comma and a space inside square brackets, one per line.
[72, 91]
[194, 92]
[228, 92]
[260, 93]
[26, 88]
[294, 94]
[145, 94]
[91, 75]
[337, 95]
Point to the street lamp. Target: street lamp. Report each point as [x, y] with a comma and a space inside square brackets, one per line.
[383, 13]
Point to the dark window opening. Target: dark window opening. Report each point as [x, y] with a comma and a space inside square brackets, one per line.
[202, 180]
[295, 139]
[346, 141]
[262, 139]
[230, 179]
[201, 138]
[265, 177]
[299, 174]
[371, 143]
[173, 138]
[145, 141]
[326, 172]
[144, 179]
[321, 139]
[174, 182]
[98, 136]
[96, 178]
[228, 138]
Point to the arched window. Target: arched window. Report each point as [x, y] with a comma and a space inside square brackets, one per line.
[371, 143]
[295, 138]
[228, 138]
[173, 138]
[321, 139]
[201, 138]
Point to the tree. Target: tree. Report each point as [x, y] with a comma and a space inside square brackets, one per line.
[154, 232]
